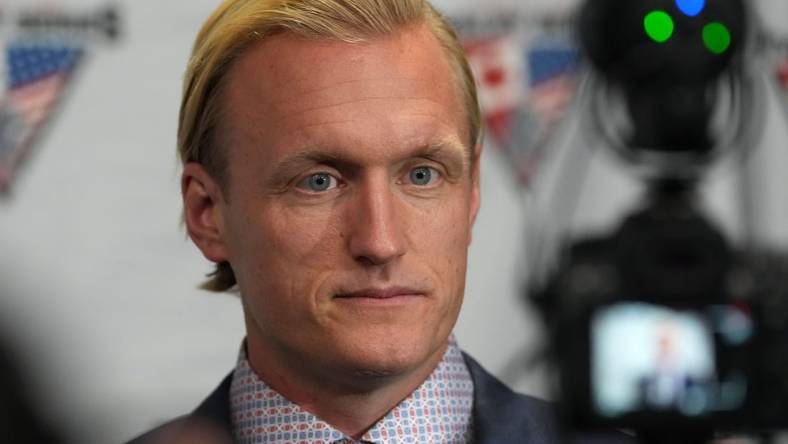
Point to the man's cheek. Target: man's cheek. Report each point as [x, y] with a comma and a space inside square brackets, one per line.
[305, 241]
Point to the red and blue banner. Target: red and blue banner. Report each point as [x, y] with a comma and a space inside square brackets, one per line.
[527, 70]
[41, 53]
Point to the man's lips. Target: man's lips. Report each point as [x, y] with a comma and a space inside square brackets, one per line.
[380, 293]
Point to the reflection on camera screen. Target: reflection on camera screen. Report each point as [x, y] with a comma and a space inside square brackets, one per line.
[650, 358]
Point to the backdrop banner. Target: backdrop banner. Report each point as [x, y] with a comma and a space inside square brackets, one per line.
[41, 53]
[527, 70]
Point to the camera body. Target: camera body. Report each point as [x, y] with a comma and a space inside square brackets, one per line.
[661, 323]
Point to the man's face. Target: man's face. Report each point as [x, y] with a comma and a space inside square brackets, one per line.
[350, 200]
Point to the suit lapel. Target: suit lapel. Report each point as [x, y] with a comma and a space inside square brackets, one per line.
[503, 416]
[216, 407]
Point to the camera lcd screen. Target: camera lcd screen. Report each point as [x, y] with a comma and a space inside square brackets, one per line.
[649, 358]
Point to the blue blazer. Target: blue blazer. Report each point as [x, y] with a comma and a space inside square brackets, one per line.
[500, 416]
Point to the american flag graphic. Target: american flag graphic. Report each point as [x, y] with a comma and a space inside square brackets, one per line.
[525, 89]
[551, 68]
[36, 75]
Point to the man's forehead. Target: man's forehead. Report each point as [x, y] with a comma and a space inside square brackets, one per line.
[296, 85]
[286, 65]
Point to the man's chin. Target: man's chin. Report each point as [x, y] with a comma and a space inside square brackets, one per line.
[381, 364]
[367, 376]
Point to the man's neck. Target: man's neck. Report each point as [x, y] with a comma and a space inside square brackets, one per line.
[351, 405]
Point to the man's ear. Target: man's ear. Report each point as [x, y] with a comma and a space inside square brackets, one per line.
[202, 204]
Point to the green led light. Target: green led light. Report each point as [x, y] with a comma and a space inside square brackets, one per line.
[716, 37]
[659, 26]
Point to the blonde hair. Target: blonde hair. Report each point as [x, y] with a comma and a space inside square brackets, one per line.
[238, 24]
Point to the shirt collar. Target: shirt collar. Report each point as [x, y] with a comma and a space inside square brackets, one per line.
[439, 411]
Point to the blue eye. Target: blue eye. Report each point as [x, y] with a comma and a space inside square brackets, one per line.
[423, 175]
[320, 182]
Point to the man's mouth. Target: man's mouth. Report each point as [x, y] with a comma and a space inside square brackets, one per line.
[382, 294]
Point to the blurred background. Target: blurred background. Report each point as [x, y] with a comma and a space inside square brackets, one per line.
[98, 282]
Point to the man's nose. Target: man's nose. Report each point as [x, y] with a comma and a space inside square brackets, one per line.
[377, 228]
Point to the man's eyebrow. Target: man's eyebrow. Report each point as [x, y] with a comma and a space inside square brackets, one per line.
[447, 151]
[311, 157]
[284, 169]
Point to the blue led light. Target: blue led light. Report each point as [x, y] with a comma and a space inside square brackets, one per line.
[691, 7]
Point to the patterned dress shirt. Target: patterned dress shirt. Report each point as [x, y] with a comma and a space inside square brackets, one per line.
[439, 411]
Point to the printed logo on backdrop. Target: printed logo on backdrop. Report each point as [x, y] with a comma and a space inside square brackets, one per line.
[527, 69]
[42, 50]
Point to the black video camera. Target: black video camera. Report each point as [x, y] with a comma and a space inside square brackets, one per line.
[662, 325]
